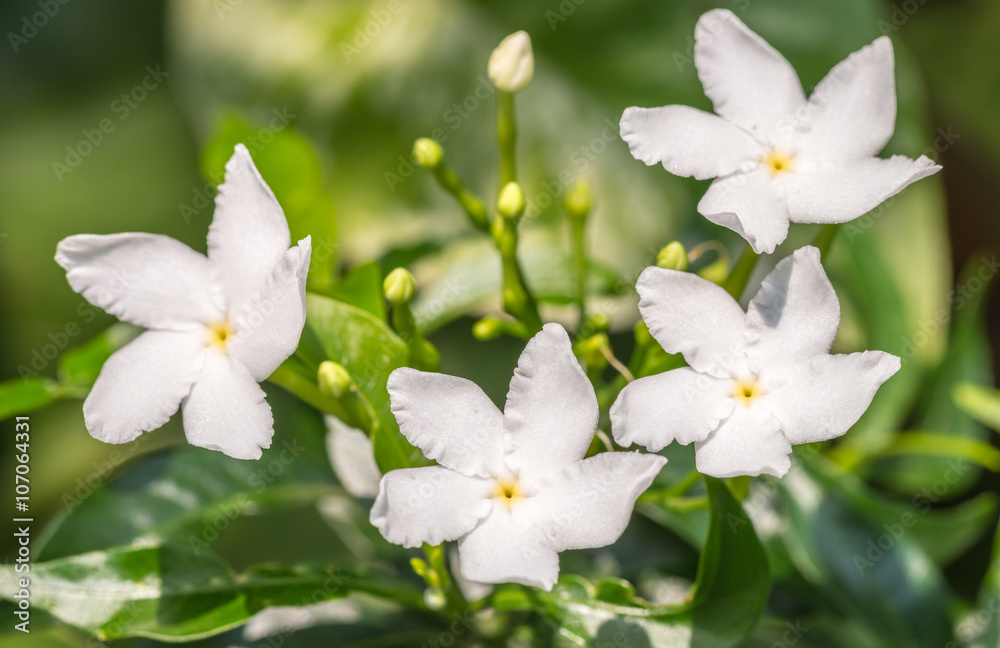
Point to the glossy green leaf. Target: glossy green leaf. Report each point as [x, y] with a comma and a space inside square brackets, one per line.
[370, 351]
[171, 593]
[362, 287]
[20, 396]
[725, 604]
[875, 573]
[190, 496]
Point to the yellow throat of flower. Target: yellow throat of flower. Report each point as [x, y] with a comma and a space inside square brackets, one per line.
[507, 492]
[219, 335]
[745, 391]
[778, 162]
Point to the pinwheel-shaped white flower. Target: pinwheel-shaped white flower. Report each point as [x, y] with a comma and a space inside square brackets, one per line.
[218, 325]
[758, 381]
[777, 156]
[512, 487]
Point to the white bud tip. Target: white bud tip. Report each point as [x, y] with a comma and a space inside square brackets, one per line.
[512, 63]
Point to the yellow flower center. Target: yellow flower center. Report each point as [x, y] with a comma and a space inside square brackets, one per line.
[778, 162]
[746, 391]
[507, 492]
[219, 334]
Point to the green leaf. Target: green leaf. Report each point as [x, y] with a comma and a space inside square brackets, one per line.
[189, 497]
[80, 366]
[979, 402]
[726, 603]
[989, 599]
[19, 396]
[362, 287]
[170, 593]
[370, 351]
[293, 171]
[875, 573]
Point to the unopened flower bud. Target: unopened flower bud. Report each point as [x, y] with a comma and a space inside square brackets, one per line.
[427, 153]
[511, 203]
[673, 257]
[512, 63]
[399, 286]
[488, 328]
[333, 379]
[578, 200]
[591, 350]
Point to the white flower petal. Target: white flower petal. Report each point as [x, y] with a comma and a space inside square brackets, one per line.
[353, 458]
[551, 411]
[430, 504]
[141, 385]
[822, 398]
[149, 280]
[749, 442]
[506, 548]
[692, 316]
[249, 234]
[680, 405]
[749, 83]
[450, 419]
[268, 325]
[748, 204]
[226, 410]
[687, 141]
[794, 315]
[852, 112]
[588, 504]
[840, 191]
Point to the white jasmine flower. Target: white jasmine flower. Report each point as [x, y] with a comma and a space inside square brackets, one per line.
[758, 381]
[512, 487]
[218, 325]
[777, 156]
[512, 63]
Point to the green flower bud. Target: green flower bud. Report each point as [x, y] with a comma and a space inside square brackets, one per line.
[578, 199]
[511, 203]
[673, 257]
[427, 153]
[399, 286]
[333, 379]
[512, 63]
[435, 599]
[716, 271]
[488, 328]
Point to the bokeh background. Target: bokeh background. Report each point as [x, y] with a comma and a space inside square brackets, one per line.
[342, 108]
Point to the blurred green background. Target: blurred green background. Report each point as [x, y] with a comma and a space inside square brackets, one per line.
[360, 101]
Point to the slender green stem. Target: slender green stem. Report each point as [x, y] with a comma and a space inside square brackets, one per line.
[507, 137]
[738, 277]
[825, 239]
[578, 226]
[423, 355]
[517, 299]
[471, 204]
